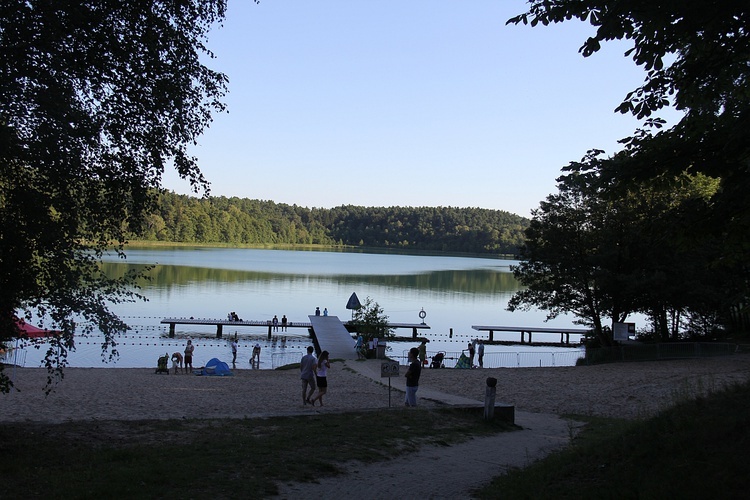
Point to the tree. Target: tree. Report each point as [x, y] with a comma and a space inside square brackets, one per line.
[371, 321]
[602, 248]
[96, 99]
[697, 58]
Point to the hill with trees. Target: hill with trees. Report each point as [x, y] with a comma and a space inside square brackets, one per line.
[186, 219]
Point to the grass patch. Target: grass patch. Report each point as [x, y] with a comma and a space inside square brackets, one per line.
[696, 449]
[215, 458]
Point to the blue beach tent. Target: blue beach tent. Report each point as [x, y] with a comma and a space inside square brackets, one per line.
[215, 367]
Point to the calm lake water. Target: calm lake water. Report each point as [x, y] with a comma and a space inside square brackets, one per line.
[454, 292]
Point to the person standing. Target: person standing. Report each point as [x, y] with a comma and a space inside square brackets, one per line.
[423, 352]
[275, 322]
[307, 374]
[360, 347]
[325, 311]
[234, 351]
[412, 377]
[321, 373]
[480, 353]
[317, 311]
[189, 348]
[283, 323]
[471, 355]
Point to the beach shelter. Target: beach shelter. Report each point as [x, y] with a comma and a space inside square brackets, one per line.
[33, 332]
[353, 303]
[215, 367]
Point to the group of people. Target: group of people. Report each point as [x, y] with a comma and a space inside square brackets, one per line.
[479, 351]
[254, 358]
[232, 316]
[275, 323]
[184, 362]
[313, 373]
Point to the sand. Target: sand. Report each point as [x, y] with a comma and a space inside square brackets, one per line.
[540, 395]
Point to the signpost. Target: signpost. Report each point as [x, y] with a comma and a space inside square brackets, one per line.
[389, 369]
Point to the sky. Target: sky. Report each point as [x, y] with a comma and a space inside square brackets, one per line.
[405, 103]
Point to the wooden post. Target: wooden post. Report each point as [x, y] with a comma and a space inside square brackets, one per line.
[269, 331]
[171, 330]
[219, 329]
[489, 398]
[491, 335]
[414, 332]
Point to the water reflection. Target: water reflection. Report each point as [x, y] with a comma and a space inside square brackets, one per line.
[455, 292]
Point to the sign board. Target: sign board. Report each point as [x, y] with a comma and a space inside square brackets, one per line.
[389, 369]
[622, 331]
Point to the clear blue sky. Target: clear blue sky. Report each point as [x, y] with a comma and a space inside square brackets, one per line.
[408, 103]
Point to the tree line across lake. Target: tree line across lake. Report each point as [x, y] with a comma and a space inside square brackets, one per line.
[188, 219]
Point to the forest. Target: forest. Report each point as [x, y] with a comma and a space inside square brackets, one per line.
[241, 221]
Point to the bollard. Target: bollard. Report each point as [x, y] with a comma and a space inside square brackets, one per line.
[451, 335]
[489, 398]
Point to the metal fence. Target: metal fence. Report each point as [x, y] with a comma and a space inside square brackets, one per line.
[569, 357]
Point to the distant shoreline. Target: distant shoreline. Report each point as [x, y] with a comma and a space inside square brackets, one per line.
[146, 244]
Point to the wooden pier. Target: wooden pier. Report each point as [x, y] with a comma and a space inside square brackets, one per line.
[564, 332]
[277, 329]
[330, 334]
[221, 323]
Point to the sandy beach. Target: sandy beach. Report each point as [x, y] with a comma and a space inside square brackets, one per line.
[628, 390]
[540, 396]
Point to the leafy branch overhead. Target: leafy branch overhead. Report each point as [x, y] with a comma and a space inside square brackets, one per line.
[98, 98]
[661, 226]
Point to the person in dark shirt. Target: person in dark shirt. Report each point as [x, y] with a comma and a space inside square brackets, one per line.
[412, 377]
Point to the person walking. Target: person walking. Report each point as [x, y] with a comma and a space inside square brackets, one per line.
[480, 353]
[234, 351]
[412, 377]
[321, 373]
[189, 348]
[359, 346]
[307, 374]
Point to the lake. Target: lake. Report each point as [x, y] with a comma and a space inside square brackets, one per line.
[199, 282]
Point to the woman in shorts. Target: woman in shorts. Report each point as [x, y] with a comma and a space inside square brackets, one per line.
[321, 372]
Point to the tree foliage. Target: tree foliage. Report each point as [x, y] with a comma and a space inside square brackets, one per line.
[371, 321]
[696, 56]
[96, 99]
[180, 218]
[603, 250]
